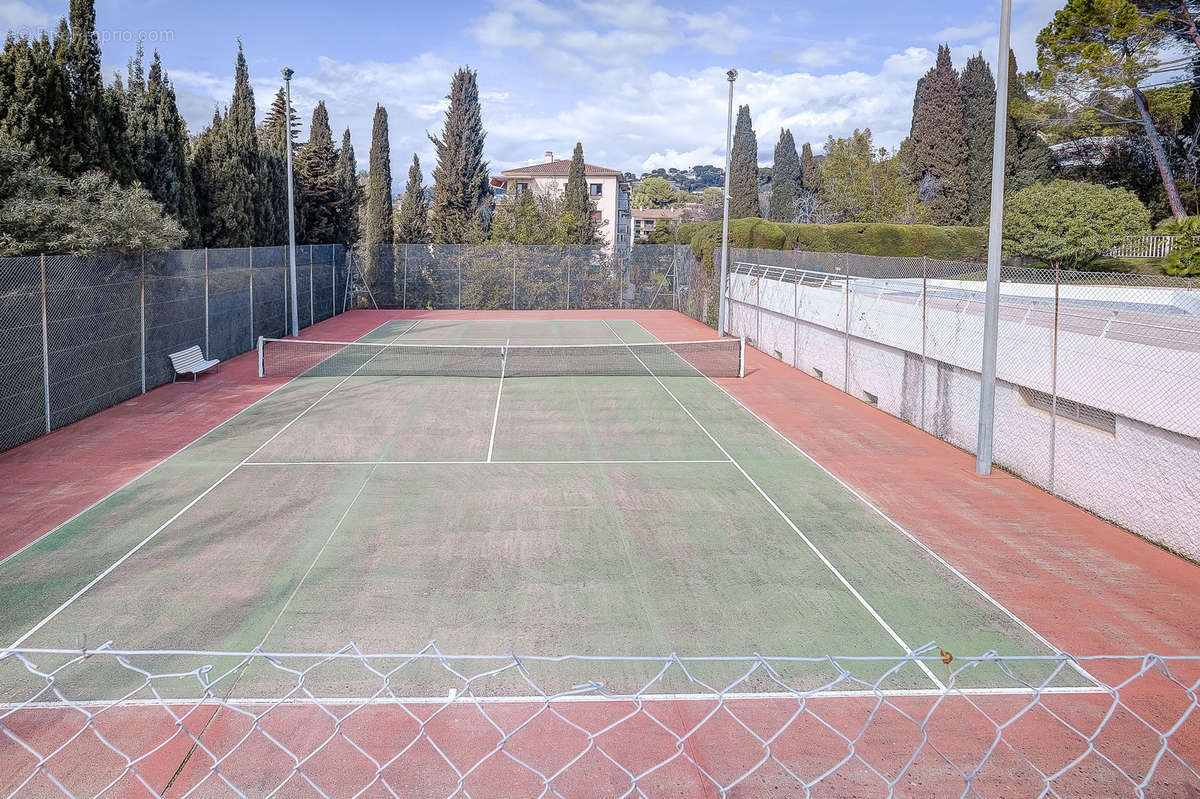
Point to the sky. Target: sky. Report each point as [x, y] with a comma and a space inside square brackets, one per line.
[640, 82]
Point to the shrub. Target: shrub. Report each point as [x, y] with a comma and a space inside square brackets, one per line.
[1070, 223]
[1184, 260]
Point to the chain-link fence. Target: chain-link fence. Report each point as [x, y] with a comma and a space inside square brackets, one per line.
[512, 277]
[177, 723]
[1099, 373]
[81, 333]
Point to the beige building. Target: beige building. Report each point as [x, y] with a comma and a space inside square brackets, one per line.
[645, 220]
[609, 193]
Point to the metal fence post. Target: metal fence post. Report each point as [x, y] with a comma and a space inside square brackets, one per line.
[924, 328]
[1054, 381]
[142, 304]
[846, 364]
[287, 298]
[45, 346]
[514, 282]
[796, 323]
[460, 286]
[251, 271]
[758, 313]
[332, 280]
[312, 316]
[207, 348]
[404, 286]
[568, 284]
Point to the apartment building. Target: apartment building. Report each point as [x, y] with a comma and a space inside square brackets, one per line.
[609, 192]
[645, 220]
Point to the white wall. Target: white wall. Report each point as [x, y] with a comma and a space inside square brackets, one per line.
[1143, 477]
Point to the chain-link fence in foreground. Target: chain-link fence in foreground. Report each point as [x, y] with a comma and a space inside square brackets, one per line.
[1099, 374]
[429, 724]
[81, 333]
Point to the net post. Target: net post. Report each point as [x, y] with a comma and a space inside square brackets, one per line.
[742, 357]
[260, 357]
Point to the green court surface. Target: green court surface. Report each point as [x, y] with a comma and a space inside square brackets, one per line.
[585, 515]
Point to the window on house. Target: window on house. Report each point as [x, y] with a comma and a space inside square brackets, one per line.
[596, 189]
[596, 215]
[522, 188]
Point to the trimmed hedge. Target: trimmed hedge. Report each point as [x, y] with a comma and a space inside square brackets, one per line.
[946, 243]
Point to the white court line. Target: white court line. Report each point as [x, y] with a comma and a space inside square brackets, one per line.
[188, 506]
[476, 463]
[740, 697]
[820, 555]
[900, 528]
[499, 392]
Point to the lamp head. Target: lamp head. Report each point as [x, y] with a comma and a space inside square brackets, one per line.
[287, 72]
[731, 75]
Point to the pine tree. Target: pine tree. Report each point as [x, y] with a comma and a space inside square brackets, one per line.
[810, 169]
[349, 193]
[460, 178]
[412, 225]
[581, 224]
[743, 169]
[380, 271]
[317, 181]
[979, 115]
[786, 180]
[939, 143]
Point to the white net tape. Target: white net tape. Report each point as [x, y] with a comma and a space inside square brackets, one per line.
[119, 723]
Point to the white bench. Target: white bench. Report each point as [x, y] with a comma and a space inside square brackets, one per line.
[190, 361]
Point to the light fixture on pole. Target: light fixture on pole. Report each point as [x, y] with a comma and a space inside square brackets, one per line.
[991, 304]
[287, 138]
[731, 76]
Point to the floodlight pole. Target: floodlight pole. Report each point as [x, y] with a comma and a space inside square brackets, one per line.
[991, 313]
[731, 76]
[287, 138]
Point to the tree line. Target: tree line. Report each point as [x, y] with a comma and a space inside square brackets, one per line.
[92, 166]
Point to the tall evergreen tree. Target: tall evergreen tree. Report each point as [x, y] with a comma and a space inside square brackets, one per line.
[581, 226]
[274, 123]
[87, 86]
[1027, 157]
[979, 119]
[743, 169]
[810, 169]
[412, 225]
[787, 179]
[460, 178]
[939, 143]
[380, 271]
[35, 99]
[349, 193]
[317, 181]
[229, 176]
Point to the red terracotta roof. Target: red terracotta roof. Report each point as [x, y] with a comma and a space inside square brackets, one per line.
[556, 168]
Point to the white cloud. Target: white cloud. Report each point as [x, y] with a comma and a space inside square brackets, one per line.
[964, 32]
[22, 17]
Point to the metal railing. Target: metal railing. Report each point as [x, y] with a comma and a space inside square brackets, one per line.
[1099, 372]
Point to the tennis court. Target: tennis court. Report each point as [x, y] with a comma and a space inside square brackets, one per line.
[602, 496]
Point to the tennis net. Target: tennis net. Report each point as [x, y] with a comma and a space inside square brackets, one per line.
[299, 358]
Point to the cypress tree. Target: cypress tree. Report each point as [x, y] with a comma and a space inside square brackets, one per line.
[35, 98]
[349, 193]
[82, 55]
[787, 179]
[205, 169]
[582, 227]
[412, 226]
[979, 115]
[810, 169]
[460, 178]
[380, 263]
[743, 169]
[1027, 157]
[317, 181]
[275, 122]
[939, 143]
[181, 192]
